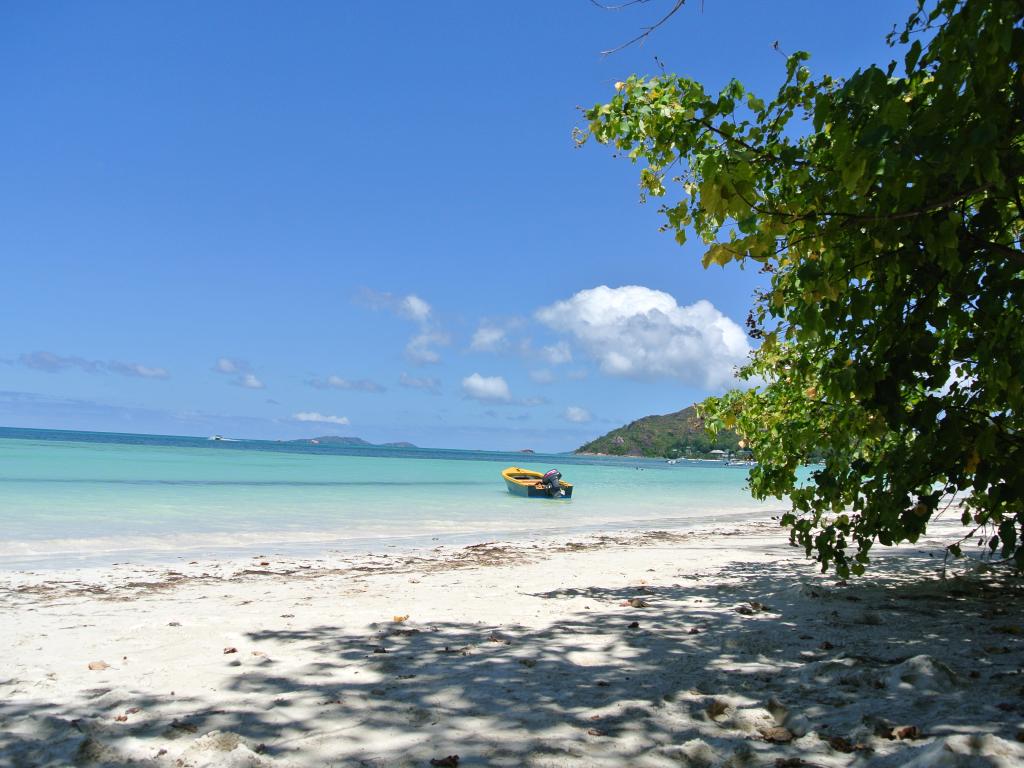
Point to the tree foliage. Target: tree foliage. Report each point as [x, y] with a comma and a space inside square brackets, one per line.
[887, 209]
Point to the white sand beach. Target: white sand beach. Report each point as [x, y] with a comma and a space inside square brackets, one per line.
[710, 648]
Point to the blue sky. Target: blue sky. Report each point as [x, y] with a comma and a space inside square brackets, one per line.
[281, 220]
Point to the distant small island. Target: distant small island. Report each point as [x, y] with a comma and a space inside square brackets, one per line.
[352, 442]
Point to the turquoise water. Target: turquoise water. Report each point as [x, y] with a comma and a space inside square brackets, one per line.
[91, 498]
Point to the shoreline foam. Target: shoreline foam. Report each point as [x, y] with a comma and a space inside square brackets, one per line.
[98, 552]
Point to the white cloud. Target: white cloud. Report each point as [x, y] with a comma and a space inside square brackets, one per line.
[137, 369]
[337, 382]
[501, 335]
[249, 381]
[542, 376]
[241, 372]
[427, 384]
[577, 415]
[556, 354]
[411, 306]
[320, 418]
[487, 389]
[53, 363]
[488, 338]
[227, 365]
[415, 307]
[639, 332]
[421, 347]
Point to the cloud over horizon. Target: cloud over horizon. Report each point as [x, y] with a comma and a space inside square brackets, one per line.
[53, 363]
[638, 332]
[320, 418]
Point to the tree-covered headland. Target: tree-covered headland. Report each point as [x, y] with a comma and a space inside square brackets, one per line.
[673, 435]
[886, 209]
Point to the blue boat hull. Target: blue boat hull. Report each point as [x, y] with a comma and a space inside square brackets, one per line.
[532, 492]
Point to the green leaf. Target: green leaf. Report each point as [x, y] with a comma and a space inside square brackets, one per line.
[910, 60]
[853, 172]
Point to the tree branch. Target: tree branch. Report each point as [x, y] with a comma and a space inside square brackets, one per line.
[1005, 250]
[618, 7]
[859, 218]
[647, 31]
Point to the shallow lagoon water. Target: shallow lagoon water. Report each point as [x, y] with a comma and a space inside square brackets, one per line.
[79, 498]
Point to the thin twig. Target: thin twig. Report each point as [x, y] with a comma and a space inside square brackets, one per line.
[618, 7]
[647, 31]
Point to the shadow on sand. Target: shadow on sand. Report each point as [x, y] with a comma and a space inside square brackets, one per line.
[766, 664]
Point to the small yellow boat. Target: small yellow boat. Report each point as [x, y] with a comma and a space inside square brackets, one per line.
[534, 485]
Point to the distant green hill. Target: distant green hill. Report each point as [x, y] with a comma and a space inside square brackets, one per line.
[674, 434]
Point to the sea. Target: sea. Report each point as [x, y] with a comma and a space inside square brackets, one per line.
[88, 499]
